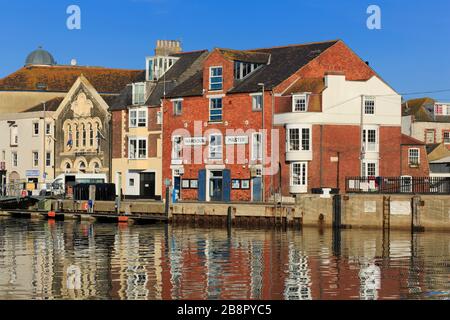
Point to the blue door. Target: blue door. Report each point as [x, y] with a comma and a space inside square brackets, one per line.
[257, 190]
[226, 185]
[176, 189]
[202, 185]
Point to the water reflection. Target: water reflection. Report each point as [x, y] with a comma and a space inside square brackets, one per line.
[71, 260]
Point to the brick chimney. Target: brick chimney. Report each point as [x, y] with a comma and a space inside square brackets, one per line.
[167, 47]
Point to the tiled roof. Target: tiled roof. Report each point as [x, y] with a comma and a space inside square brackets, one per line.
[53, 104]
[418, 108]
[283, 62]
[407, 140]
[314, 86]
[245, 55]
[61, 78]
[50, 105]
[185, 67]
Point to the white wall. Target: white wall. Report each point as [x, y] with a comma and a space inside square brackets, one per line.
[27, 143]
[418, 130]
[341, 104]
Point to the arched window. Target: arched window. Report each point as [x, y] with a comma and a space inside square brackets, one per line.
[91, 136]
[84, 135]
[96, 167]
[69, 138]
[77, 137]
[82, 167]
[68, 167]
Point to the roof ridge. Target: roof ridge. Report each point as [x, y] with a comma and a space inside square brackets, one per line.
[193, 51]
[77, 67]
[295, 45]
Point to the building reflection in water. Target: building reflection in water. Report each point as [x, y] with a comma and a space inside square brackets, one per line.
[71, 260]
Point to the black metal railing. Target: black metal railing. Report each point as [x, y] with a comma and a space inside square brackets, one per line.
[393, 185]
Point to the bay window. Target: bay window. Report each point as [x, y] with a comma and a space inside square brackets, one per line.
[299, 174]
[299, 139]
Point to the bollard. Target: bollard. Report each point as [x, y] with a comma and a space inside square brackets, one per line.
[229, 218]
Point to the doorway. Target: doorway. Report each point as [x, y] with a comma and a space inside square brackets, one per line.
[216, 186]
[147, 185]
[257, 189]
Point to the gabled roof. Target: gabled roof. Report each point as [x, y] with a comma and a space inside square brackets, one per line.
[407, 140]
[418, 109]
[184, 68]
[438, 153]
[313, 86]
[61, 78]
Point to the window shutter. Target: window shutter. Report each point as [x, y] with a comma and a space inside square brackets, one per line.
[226, 185]
[202, 185]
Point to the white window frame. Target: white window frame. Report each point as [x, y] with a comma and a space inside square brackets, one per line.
[136, 151]
[216, 149]
[410, 157]
[302, 96]
[33, 127]
[364, 168]
[375, 145]
[257, 155]
[255, 98]
[211, 76]
[177, 103]
[443, 137]
[139, 102]
[137, 118]
[210, 108]
[303, 174]
[369, 99]
[300, 139]
[177, 148]
[34, 159]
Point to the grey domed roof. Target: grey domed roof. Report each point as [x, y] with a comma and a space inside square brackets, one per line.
[40, 57]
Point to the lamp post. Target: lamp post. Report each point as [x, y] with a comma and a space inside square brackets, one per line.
[262, 144]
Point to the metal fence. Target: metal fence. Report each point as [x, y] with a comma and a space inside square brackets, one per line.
[396, 185]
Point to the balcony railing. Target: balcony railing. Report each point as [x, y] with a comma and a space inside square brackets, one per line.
[397, 185]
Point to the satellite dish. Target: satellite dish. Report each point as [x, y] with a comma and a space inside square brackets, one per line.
[73, 62]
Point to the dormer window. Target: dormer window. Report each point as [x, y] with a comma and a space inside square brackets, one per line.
[138, 93]
[243, 69]
[300, 103]
[215, 78]
[158, 65]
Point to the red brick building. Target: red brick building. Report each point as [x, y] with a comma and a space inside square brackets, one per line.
[325, 115]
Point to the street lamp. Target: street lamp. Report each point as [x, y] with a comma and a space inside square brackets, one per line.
[262, 143]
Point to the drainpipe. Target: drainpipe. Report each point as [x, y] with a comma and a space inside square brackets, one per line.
[321, 152]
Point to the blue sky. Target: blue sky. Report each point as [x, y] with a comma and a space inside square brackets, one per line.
[411, 51]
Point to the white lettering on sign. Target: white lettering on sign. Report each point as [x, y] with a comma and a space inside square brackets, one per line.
[236, 140]
[195, 141]
[400, 208]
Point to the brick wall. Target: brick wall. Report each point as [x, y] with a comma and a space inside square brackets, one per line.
[117, 134]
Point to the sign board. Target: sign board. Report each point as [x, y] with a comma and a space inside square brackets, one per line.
[370, 206]
[32, 173]
[401, 208]
[236, 140]
[334, 159]
[194, 141]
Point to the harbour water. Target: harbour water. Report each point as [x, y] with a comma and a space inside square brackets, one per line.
[42, 259]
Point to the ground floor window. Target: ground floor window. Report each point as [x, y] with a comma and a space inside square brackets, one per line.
[299, 174]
